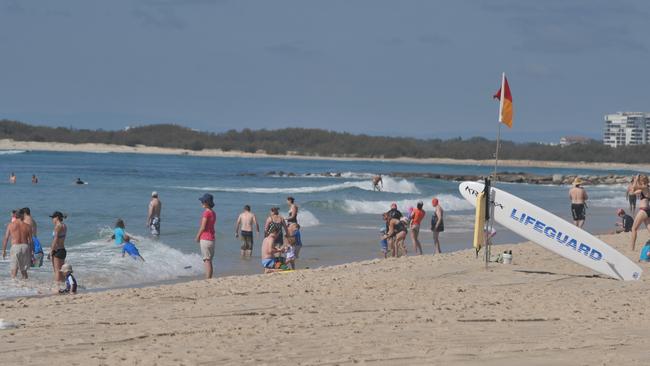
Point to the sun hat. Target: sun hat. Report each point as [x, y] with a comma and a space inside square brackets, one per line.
[434, 202]
[577, 181]
[207, 198]
[66, 267]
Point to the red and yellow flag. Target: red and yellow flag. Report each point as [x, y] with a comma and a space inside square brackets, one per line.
[505, 105]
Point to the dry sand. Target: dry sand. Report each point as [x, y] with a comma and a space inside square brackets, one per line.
[6, 144]
[445, 310]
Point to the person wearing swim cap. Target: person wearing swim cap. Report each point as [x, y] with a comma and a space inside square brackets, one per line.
[437, 225]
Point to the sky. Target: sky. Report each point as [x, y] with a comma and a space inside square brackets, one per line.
[397, 68]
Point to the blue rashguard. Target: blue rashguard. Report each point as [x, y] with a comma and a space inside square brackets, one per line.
[645, 253]
[119, 235]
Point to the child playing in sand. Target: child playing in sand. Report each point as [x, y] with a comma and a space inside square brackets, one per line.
[70, 281]
[383, 242]
[289, 249]
[645, 252]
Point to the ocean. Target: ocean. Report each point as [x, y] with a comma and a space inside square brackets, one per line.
[340, 215]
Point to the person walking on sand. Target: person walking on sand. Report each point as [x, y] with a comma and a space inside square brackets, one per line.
[244, 230]
[153, 216]
[437, 224]
[643, 215]
[21, 246]
[631, 196]
[376, 182]
[292, 217]
[578, 197]
[205, 236]
[416, 219]
[57, 248]
[12, 178]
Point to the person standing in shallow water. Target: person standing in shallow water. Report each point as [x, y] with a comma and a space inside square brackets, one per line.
[578, 197]
[437, 225]
[57, 249]
[416, 219]
[244, 229]
[205, 236]
[153, 217]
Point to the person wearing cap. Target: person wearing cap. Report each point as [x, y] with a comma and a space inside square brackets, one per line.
[416, 219]
[70, 281]
[626, 222]
[578, 197]
[153, 218]
[21, 245]
[205, 236]
[437, 224]
[57, 248]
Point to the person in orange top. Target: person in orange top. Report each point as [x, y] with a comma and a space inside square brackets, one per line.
[416, 219]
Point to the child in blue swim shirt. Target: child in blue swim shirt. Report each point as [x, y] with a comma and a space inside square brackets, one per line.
[645, 252]
[123, 239]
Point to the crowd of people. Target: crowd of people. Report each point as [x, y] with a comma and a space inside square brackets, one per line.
[397, 226]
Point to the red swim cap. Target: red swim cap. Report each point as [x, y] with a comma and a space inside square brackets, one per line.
[434, 202]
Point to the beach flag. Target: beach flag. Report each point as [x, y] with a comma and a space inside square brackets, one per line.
[505, 98]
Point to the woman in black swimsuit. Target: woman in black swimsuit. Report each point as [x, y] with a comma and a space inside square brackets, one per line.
[57, 249]
[640, 188]
[396, 234]
[277, 221]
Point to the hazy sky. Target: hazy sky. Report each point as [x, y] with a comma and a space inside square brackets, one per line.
[403, 67]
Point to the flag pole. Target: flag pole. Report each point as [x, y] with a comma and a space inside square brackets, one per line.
[490, 223]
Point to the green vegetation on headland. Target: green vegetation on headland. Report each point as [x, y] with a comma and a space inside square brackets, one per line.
[316, 142]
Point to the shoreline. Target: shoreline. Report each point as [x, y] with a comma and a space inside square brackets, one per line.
[7, 144]
[542, 309]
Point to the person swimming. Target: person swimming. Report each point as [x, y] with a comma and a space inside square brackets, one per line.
[79, 181]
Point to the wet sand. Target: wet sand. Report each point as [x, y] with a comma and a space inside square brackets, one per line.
[445, 309]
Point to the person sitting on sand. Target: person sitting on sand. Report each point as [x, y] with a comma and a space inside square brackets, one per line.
[642, 216]
[70, 281]
[376, 182]
[269, 250]
[395, 233]
[578, 197]
[626, 222]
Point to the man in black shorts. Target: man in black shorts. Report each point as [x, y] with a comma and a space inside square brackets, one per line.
[578, 197]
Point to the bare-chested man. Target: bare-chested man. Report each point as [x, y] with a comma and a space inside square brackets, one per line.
[244, 227]
[21, 246]
[376, 182]
[269, 250]
[153, 218]
[578, 197]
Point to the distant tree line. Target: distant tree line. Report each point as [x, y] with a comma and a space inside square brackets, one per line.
[317, 142]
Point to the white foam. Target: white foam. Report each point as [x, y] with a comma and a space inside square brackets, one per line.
[11, 152]
[447, 201]
[390, 185]
[307, 219]
[99, 263]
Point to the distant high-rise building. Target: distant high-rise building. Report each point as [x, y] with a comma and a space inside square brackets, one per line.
[626, 128]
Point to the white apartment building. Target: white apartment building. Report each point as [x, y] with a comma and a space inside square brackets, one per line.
[627, 128]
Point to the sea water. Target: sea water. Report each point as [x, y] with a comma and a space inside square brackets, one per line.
[340, 215]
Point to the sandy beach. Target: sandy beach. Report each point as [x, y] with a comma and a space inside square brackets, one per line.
[6, 144]
[445, 310]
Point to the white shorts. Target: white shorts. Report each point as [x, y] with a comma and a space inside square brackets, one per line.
[207, 249]
[21, 257]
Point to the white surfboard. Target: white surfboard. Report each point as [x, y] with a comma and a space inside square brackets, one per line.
[554, 233]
